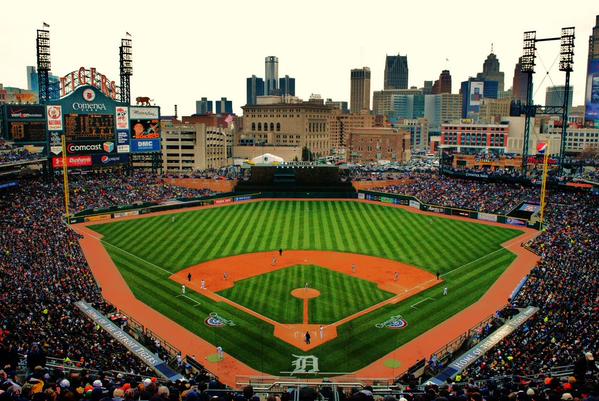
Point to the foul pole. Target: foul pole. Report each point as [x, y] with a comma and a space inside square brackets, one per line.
[544, 188]
[65, 176]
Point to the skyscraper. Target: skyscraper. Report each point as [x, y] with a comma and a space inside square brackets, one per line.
[427, 89]
[287, 86]
[271, 75]
[591, 98]
[443, 84]
[491, 71]
[473, 92]
[203, 106]
[554, 96]
[396, 72]
[360, 90]
[224, 106]
[254, 88]
[519, 89]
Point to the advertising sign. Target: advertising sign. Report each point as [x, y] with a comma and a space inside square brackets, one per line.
[476, 93]
[591, 100]
[122, 117]
[109, 160]
[74, 148]
[54, 117]
[144, 113]
[487, 216]
[145, 129]
[72, 161]
[25, 112]
[515, 222]
[222, 201]
[145, 146]
[414, 204]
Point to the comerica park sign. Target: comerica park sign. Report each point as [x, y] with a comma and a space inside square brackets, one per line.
[84, 76]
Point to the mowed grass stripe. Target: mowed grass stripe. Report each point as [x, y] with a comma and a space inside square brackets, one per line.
[359, 342]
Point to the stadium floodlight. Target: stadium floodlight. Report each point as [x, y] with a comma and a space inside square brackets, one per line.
[529, 52]
[566, 53]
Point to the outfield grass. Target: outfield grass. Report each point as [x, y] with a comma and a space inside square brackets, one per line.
[340, 295]
[147, 251]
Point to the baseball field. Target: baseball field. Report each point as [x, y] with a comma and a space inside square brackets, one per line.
[353, 267]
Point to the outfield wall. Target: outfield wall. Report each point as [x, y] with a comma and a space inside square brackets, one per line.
[416, 203]
[396, 199]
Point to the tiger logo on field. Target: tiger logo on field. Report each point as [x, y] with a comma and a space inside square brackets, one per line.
[394, 322]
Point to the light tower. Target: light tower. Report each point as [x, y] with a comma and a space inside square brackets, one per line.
[43, 64]
[126, 69]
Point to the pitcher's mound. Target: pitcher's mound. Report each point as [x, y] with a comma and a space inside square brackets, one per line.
[305, 293]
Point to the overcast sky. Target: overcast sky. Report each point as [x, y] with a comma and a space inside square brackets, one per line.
[183, 50]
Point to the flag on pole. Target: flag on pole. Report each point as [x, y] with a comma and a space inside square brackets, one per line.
[46, 25]
[127, 34]
[541, 148]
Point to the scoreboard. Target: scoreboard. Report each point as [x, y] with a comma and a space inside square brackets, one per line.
[89, 126]
[27, 131]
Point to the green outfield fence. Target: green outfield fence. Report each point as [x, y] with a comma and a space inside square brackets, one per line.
[222, 199]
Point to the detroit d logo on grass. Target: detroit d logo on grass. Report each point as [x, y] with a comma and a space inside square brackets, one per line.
[394, 322]
[215, 320]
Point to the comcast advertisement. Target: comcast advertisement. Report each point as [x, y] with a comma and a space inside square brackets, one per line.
[592, 94]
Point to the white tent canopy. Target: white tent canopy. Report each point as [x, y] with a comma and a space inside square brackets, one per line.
[267, 158]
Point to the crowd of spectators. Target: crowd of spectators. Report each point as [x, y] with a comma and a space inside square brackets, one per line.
[44, 271]
[564, 285]
[123, 189]
[11, 155]
[435, 189]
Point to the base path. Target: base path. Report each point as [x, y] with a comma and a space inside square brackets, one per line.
[411, 281]
[116, 291]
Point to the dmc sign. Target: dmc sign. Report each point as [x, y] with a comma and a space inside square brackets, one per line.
[83, 76]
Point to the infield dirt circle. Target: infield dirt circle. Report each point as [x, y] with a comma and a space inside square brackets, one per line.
[305, 293]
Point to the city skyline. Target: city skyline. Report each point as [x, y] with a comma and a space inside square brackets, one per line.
[185, 73]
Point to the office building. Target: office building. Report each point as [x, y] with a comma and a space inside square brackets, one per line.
[190, 147]
[396, 72]
[443, 84]
[491, 71]
[223, 106]
[442, 108]
[33, 83]
[382, 101]
[475, 138]
[492, 111]
[287, 86]
[304, 124]
[338, 104]
[554, 96]
[408, 106]
[427, 89]
[12, 95]
[341, 124]
[271, 75]
[203, 106]
[591, 98]
[473, 92]
[520, 83]
[368, 145]
[360, 90]
[418, 129]
[254, 88]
